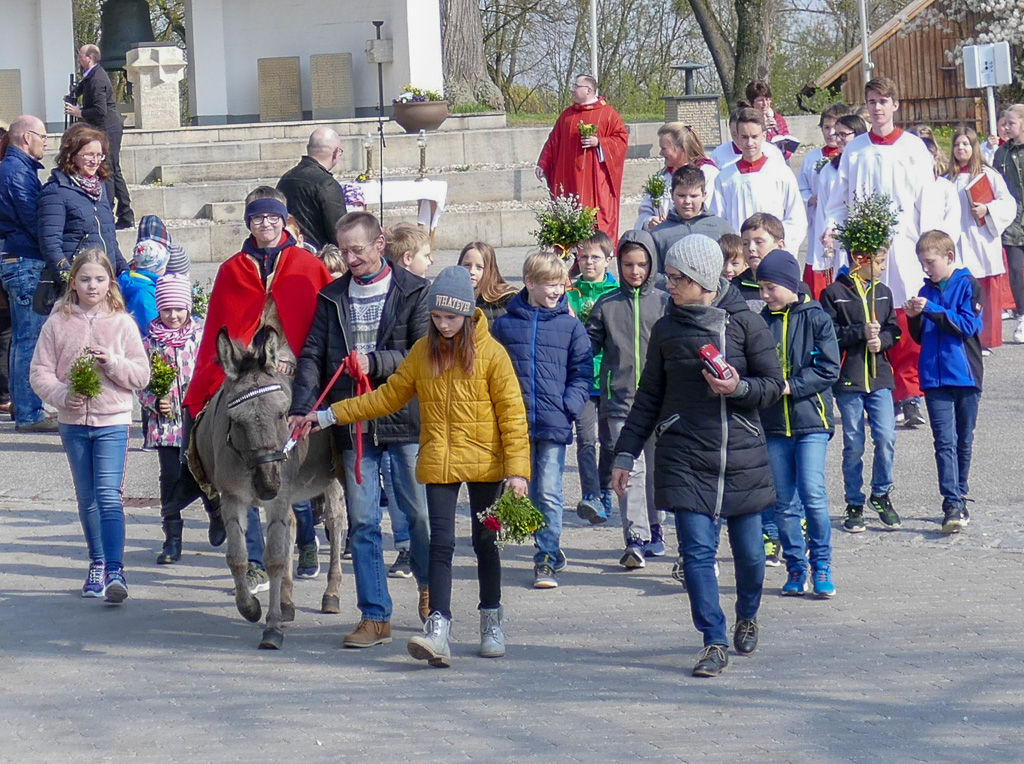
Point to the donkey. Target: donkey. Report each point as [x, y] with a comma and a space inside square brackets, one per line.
[239, 443]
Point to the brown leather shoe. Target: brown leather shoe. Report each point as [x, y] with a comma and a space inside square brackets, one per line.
[424, 606]
[46, 424]
[368, 634]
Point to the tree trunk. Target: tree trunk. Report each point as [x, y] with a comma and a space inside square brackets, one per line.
[465, 79]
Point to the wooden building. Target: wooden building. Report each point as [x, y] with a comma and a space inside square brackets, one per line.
[931, 88]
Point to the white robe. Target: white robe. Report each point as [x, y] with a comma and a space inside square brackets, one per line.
[649, 207]
[902, 171]
[816, 254]
[939, 208]
[807, 180]
[980, 248]
[772, 189]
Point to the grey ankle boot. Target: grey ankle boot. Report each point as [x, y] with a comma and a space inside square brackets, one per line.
[492, 638]
[432, 646]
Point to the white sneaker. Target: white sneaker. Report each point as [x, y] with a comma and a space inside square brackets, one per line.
[1018, 333]
[492, 638]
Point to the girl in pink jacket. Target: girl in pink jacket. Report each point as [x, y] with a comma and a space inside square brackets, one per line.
[91, 322]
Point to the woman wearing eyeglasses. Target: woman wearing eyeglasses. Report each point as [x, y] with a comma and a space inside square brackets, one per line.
[73, 209]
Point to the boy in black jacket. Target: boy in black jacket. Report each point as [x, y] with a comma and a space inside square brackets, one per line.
[799, 427]
[864, 317]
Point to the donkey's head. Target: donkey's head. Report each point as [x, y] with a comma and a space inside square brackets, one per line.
[257, 407]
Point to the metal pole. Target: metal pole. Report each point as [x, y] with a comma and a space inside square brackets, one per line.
[380, 122]
[865, 52]
[593, 40]
[990, 95]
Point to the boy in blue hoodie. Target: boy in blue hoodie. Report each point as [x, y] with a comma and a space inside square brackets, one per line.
[138, 284]
[551, 354]
[945, 320]
[799, 427]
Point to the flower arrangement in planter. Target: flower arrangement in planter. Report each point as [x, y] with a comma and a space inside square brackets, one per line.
[514, 520]
[564, 222]
[418, 109]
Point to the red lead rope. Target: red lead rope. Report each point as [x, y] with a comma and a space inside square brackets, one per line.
[350, 365]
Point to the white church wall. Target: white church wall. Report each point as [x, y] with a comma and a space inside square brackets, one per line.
[226, 86]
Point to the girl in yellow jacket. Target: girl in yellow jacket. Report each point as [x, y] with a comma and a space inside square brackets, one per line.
[473, 431]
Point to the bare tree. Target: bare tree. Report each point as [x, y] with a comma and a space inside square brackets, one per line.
[462, 41]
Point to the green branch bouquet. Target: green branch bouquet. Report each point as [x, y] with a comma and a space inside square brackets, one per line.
[85, 376]
[200, 299]
[587, 129]
[870, 224]
[655, 186]
[564, 223]
[162, 375]
[514, 520]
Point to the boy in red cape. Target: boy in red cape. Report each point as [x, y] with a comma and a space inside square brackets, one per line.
[264, 284]
[590, 167]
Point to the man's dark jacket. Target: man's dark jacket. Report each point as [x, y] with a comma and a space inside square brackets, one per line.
[316, 200]
[19, 193]
[98, 108]
[404, 320]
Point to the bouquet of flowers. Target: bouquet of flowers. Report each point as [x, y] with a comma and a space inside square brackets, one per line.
[200, 299]
[587, 129]
[564, 222]
[514, 520]
[820, 164]
[162, 375]
[870, 224]
[417, 95]
[85, 376]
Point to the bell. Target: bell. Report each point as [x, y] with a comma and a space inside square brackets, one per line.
[122, 24]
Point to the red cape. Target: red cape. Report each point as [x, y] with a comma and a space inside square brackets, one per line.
[571, 169]
[237, 302]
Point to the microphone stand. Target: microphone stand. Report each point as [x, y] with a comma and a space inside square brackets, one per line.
[380, 122]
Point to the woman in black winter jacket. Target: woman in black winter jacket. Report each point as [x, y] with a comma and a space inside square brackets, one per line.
[73, 211]
[710, 456]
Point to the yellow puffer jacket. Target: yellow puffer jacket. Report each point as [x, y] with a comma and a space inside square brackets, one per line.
[473, 429]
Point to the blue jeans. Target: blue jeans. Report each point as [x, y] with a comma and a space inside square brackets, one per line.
[586, 449]
[399, 525]
[798, 467]
[305, 532]
[952, 413]
[20, 277]
[698, 541]
[97, 457]
[882, 418]
[408, 501]
[365, 514]
[547, 465]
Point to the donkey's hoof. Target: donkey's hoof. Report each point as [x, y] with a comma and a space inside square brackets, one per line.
[287, 611]
[251, 610]
[330, 604]
[272, 639]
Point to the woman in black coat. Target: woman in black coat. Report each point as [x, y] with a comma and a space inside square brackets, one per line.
[73, 210]
[710, 456]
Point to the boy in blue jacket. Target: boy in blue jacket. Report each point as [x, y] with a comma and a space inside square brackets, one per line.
[551, 354]
[138, 284]
[799, 427]
[945, 320]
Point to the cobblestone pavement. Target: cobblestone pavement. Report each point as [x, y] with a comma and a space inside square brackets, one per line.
[918, 658]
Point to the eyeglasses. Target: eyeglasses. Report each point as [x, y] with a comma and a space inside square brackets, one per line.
[674, 280]
[357, 251]
[590, 258]
[264, 219]
[844, 134]
[43, 136]
[580, 87]
[93, 157]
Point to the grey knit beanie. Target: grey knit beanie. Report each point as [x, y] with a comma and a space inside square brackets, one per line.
[698, 257]
[452, 292]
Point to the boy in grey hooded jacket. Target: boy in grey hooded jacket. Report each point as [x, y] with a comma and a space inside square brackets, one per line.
[620, 325]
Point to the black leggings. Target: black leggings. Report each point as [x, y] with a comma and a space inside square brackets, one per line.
[441, 502]
[178, 488]
[1015, 272]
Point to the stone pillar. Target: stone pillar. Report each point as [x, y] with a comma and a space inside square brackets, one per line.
[155, 69]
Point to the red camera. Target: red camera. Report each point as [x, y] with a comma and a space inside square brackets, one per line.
[714, 362]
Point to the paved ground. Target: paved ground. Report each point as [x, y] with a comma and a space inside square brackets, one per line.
[918, 658]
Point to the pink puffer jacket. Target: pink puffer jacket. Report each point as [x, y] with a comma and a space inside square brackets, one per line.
[63, 338]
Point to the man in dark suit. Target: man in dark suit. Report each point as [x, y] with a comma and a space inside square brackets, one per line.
[314, 195]
[98, 110]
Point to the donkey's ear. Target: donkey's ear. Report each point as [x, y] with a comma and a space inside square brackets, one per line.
[266, 346]
[229, 354]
